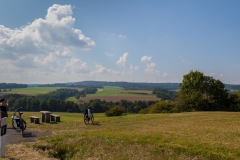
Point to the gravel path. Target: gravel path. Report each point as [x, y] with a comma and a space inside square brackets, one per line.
[13, 136]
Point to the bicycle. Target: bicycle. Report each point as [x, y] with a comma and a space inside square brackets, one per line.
[18, 122]
[88, 116]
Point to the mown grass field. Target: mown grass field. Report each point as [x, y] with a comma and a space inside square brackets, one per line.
[178, 136]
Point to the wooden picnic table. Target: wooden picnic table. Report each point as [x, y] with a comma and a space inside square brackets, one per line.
[46, 116]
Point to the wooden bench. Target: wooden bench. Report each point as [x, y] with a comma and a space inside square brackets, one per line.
[55, 118]
[34, 119]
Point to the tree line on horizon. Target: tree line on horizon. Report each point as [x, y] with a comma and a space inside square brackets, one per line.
[197, 92]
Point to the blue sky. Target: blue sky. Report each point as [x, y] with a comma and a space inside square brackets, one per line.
[133, 41]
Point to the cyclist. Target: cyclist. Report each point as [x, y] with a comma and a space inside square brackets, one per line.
[87, 112]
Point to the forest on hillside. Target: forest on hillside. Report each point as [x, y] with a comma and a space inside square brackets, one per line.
[197, 92]
[101, 84]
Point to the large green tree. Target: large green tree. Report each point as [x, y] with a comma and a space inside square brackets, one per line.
[200, 92]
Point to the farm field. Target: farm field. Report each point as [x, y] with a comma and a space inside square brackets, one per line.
[34, 90]
[119, 98]
[118, 91]
[180, 136]
[114, 94]
[31, 90]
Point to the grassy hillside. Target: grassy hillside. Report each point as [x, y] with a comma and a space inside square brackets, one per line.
[195, 135]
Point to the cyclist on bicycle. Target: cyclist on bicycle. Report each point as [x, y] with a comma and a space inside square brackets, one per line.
[87, 112]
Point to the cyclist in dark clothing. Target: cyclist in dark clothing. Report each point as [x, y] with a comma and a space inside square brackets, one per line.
[87, 112]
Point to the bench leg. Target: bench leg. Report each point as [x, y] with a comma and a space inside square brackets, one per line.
[31, 120]
[57, 119]
[37, 121]
[52, 118]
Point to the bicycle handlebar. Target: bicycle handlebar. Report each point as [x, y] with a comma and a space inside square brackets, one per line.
[17, 110]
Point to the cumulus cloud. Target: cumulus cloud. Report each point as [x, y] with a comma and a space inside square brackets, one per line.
[146, 59]
[122, 60]
[46, 43]
[75, 66]
[44, 35]
[103, 71]
[150, 65]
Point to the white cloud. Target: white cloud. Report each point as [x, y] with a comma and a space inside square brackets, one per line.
[108, 54]
[146, 59]
[44, 35]
[150, 67]
[165, 75]
[102, 71]
[44, 45]
[122, 60]
[76, 66]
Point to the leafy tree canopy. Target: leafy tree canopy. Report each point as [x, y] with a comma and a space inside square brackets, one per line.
[200, 92]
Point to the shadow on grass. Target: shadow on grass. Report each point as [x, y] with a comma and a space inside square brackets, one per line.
[95, 123]
[27, 134]
[54, 122]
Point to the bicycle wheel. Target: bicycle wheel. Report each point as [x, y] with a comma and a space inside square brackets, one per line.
[23, 125]
[92, 118]
[86, 120]
[14, 124]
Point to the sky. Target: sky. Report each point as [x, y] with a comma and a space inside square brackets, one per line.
[60, 41]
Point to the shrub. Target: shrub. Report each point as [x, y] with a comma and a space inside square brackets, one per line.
[162, 107]
[144, 111]
[115, 111]
[69, 111]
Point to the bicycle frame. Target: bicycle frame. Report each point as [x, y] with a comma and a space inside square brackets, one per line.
[17, 120]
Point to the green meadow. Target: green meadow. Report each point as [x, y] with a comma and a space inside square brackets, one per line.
[178, 136]
[35, 90]
[31, 90]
